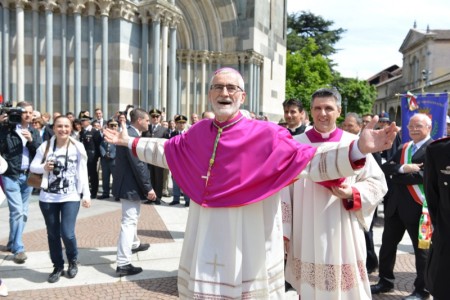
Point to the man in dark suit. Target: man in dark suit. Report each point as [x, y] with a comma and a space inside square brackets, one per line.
[437, 191]
[404, 207]
[91, 138]
[156, 173]
[131, 187]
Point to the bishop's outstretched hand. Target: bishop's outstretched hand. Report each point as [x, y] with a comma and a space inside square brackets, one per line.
[372, 140]
[115, 137]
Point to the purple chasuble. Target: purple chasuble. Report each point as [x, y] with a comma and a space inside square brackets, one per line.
[254, 159]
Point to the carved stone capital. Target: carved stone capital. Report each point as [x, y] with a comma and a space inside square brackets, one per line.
[34, 5]
[63, 6]
[105, 6]
[21, 3]
[50, 5]
[78, 6]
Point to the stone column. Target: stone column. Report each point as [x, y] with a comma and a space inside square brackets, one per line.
[35, 53]
[5, 44]
[249, 87]
[257, 86]
[105, 6]
[144, 62]
[91, 57]
[164, 42]
[188, 84]
[179, 84]
[195, 82]
[77, 9]
[173, 99]
[156, 25]
[49, 6]
[64, 100]
[20, 52]
[203, 90]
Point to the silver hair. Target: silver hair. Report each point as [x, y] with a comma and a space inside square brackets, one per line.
[355, 116]
[230, 71]
[422, 117]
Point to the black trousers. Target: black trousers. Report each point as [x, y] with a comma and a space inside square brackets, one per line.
[157, 179]
[93, 177]
[394, 229]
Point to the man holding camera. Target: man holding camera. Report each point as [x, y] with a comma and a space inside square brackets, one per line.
[18, 144]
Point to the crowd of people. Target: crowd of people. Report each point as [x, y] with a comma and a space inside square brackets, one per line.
[307, 197]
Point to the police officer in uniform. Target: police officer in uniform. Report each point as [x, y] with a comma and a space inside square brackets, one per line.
[156, 173]
[437, 192]
[107, 160]
[180, 128]
[91, 139]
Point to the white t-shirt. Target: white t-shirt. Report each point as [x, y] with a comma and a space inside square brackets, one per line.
[62, 185]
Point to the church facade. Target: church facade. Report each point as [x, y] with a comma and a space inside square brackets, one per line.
[82, 54]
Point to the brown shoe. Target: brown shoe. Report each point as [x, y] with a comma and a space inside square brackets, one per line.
[20, 258]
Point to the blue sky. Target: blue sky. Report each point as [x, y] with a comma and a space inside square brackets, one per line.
[375, 29]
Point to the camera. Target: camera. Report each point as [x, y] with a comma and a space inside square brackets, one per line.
[57, 167]
[14, 114]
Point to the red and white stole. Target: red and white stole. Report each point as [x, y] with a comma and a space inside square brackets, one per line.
[416, 190]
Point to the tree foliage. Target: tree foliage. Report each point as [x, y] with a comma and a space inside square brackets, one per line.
[310, 42]
[306, 72]
[305, 25]
[358, 94]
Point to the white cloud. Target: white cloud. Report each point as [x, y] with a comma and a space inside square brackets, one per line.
[375, 29]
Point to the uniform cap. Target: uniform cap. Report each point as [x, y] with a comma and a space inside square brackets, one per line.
[181, 118]
[384, 117]
[154, 111]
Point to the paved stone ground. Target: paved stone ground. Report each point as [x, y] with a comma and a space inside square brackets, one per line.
[102, 231]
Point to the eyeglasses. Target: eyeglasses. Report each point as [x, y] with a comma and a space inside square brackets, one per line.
[417, 127]
[231, 88]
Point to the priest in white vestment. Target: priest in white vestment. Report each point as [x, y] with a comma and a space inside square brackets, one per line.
[232, 168]
[325, 222]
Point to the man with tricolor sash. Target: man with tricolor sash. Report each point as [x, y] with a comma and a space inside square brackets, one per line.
[404, 208]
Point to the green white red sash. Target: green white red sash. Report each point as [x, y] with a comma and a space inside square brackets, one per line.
[415, 190]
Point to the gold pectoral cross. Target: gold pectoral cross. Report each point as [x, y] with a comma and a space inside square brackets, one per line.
[215, 264]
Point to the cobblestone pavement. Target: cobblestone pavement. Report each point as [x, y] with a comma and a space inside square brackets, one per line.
[101, 230]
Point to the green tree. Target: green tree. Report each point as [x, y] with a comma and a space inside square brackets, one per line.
[306, 71]
[305, 25]
[309, 42]
[359, 94]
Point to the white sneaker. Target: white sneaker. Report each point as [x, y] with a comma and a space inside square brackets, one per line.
[3, 290]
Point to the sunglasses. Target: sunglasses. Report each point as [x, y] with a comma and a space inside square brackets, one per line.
[113, 125]
[155, 116]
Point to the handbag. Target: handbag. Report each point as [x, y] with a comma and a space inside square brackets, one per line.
[34, 179]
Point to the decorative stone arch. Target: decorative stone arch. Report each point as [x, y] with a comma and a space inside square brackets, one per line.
[201, 27]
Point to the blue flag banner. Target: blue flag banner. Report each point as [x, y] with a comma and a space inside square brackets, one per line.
[433, 105]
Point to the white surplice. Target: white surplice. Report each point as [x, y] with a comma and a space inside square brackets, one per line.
[237, 252]
[327, 250]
